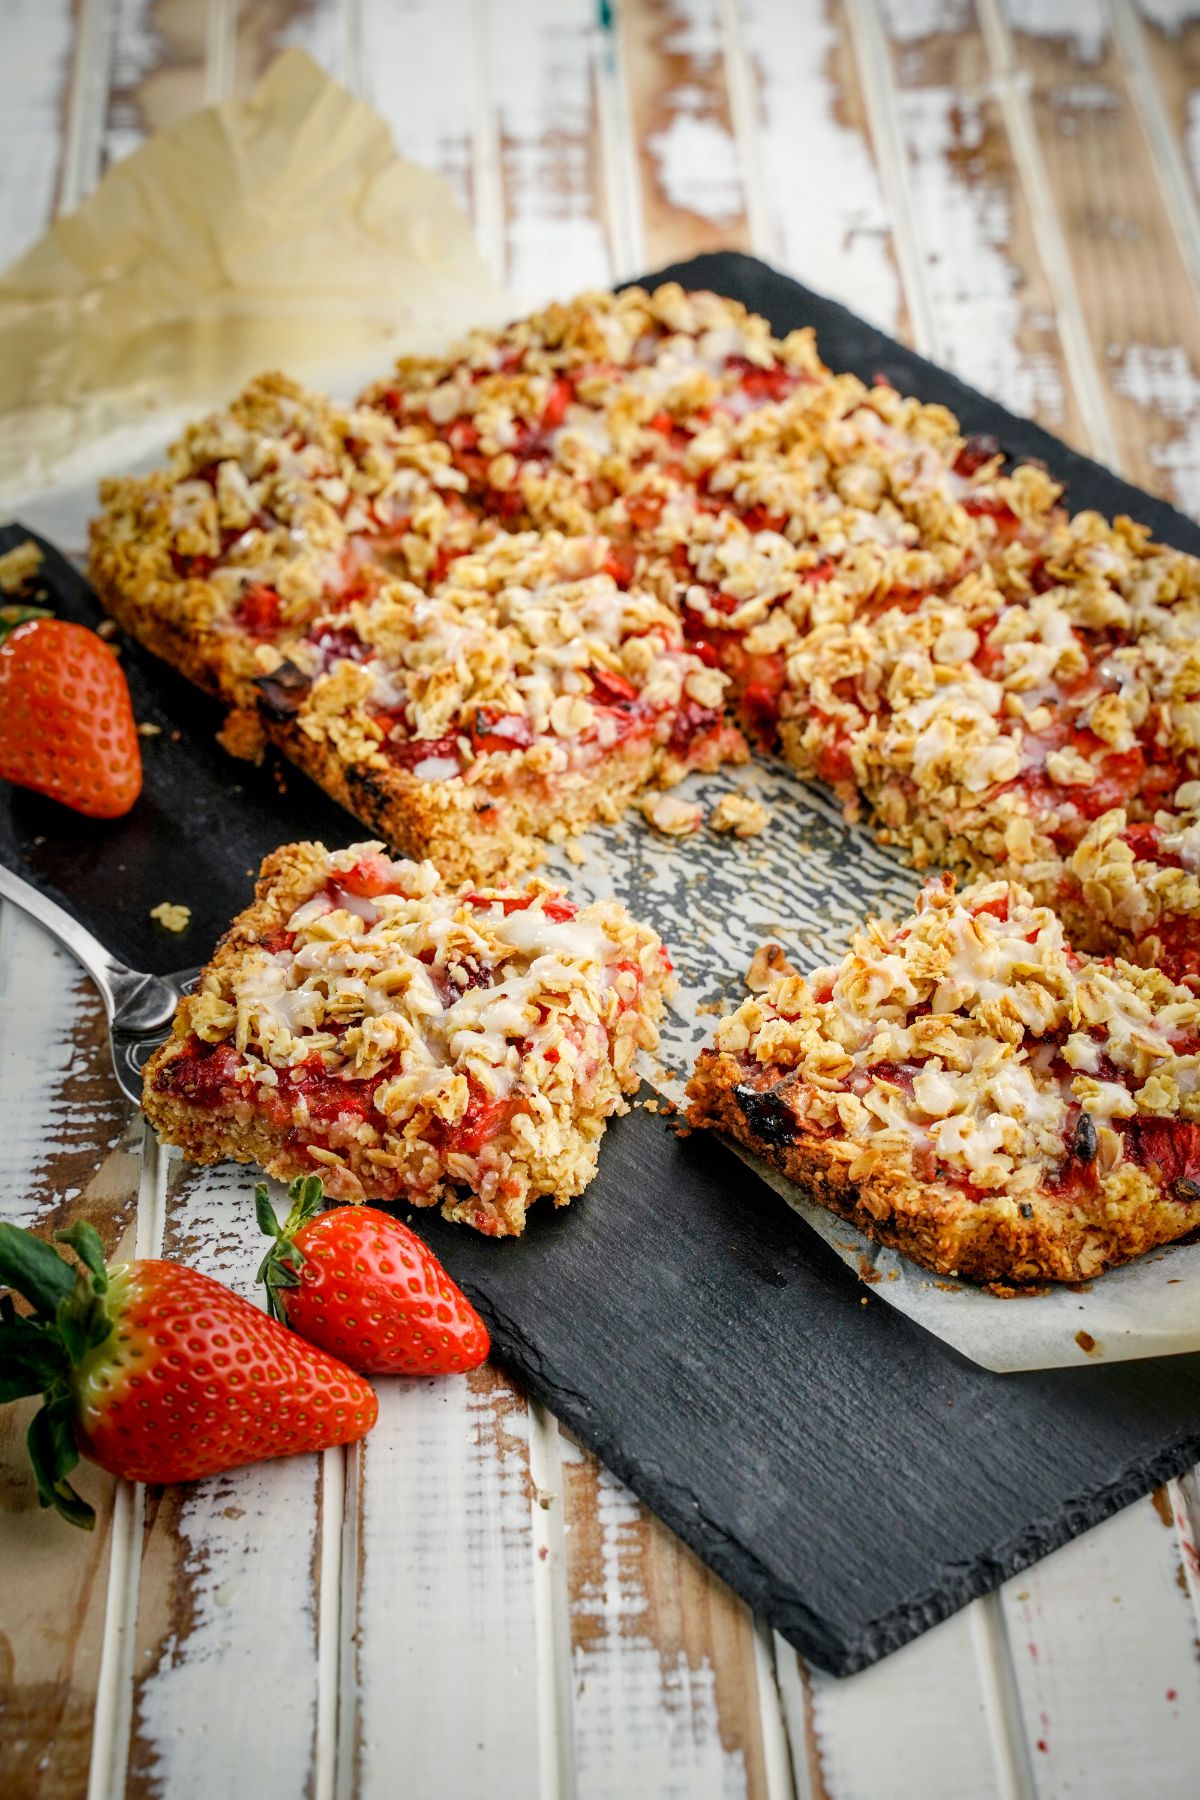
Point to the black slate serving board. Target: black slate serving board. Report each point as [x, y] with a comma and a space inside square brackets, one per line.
[853, 1478]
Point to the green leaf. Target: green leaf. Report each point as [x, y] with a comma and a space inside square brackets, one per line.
[264, 1211]
[275, 1305]
[83, 1319]
[54, 1453]
[307, 1195]
[32, 1358]
[34, 1268]
[12, 616]
[84, 1239]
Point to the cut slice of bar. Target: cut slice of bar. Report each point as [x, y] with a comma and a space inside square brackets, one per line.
[967, 1089]
[991, 726]
[406, 1040]
[525, 697]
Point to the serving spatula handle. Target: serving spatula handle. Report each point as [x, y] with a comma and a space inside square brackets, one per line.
[132, 1001]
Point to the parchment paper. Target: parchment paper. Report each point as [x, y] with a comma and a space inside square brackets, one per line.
[278, 231]
[284, 231]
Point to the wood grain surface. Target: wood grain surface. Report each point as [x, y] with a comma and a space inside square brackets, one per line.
[1014, 187]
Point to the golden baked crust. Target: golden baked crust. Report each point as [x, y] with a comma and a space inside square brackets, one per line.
[408, 1040]
[965, 1088]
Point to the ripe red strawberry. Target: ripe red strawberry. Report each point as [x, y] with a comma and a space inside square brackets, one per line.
[157, 1372]
[66, 720]
[365, 1287]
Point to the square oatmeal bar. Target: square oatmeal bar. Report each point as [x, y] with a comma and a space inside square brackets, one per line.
[967, 1089]
[410, 1040]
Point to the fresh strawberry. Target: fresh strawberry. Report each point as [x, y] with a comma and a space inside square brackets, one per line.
[66, 721]
[365, 1287]
[156, 1372]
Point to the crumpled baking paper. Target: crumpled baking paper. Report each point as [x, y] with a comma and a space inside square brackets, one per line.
[277, 231]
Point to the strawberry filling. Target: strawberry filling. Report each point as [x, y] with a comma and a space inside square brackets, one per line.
[557, 909]
[1169, 1147]
[980, 448]
[1146, 843]
[691, 721]
[763, 385]
[491, 729]
[340, 643]
[258, 612]
[201, 1074]
[1178, 953]
[369, 877]
[408, 753]
[485, 1116]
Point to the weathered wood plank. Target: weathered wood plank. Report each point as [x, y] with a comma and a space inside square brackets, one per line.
[70, 1150]
[538, 77]
[691, 175]
[442, 1678]
[157, 73]
[1134, 291]
[932, 1717]
[268, 27]
[666, 1698]
[229, 1653]
[822, 202]
[417, 68]
[1103, 1644]
[991, 305]
[37, 43]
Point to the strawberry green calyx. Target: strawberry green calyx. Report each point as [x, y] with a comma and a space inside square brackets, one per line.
[280, 1267]
[12, 616]
[40, 1351]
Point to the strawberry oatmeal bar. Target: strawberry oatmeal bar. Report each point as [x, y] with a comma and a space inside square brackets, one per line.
[266, 515]
[310, 566]
[966, 1088]
[408, 1040]
[524, 697]
[753, 488]
[1024, 720]
[552, 418]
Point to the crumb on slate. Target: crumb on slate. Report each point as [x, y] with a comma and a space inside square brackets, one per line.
[148, 728]
[770, 961]
[18, 566]
[242, 734]
[171, 916]
[740, 813]
[674, 818]
[107, 629]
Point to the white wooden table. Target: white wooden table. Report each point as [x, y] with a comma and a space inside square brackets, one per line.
[468, 1603]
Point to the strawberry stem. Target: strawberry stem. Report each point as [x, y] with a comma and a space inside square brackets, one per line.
[279, 1269]
[38, 1352]
[12, 616]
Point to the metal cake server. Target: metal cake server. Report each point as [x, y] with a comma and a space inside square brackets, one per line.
[139, 1007]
